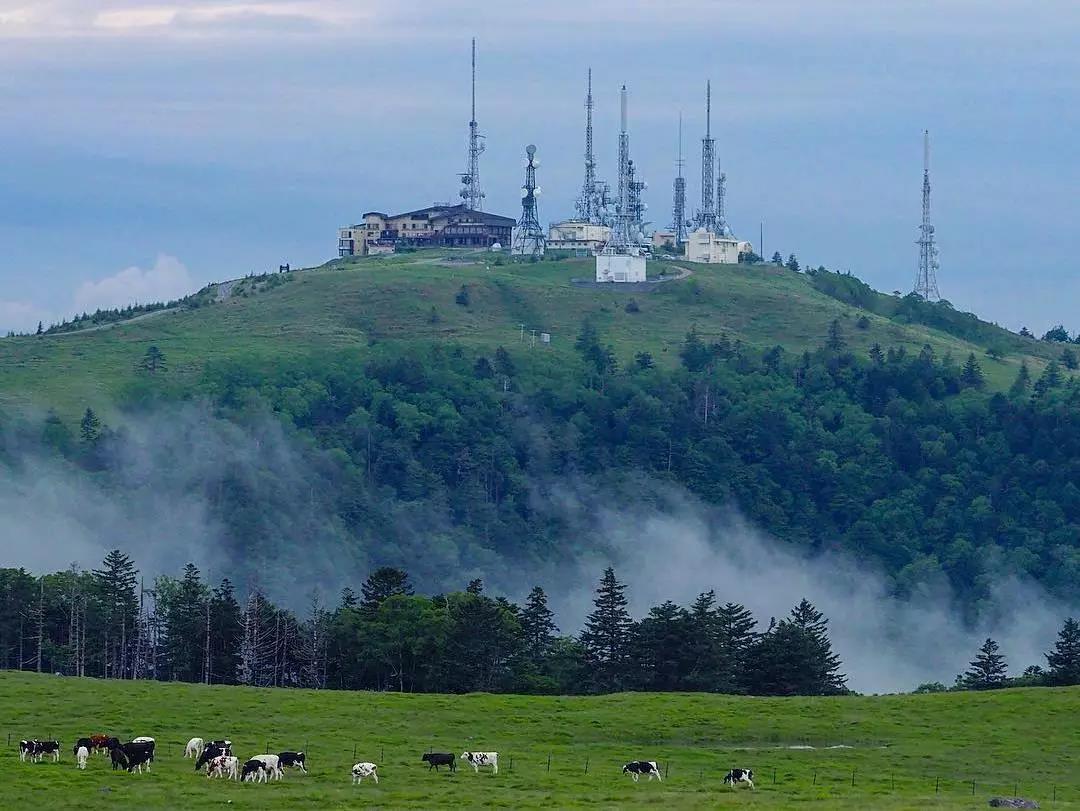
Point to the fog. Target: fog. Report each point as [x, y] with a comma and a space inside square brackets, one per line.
[252, 503]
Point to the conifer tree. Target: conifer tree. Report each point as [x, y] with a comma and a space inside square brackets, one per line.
[384, 582]
[153, 361]
[606, 633]
[987, 670]
[1063, 661]
[114, 584]
[89, 427]
[825, 665]
[225, 634]
[1020, 386]
[1049, 379]
[736, 627]
[538, 627]
[835, 341]
[876, 355]
[971, 375]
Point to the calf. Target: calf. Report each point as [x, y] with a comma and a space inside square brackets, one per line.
[362, 770]
[478, 759]
[224, 766]
[294, 759]
[194, 748]
[82, 755]
[273, 765]
[119, 759]
[254, 771]
[437, 759]
[636, 768]
[736, 776]
[79, 744]
[212, 750]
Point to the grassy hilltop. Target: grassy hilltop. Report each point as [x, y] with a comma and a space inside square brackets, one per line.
[355, 303]
[905, 751]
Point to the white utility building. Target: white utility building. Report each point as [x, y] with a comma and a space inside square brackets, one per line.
[619, 267]
[711, 248]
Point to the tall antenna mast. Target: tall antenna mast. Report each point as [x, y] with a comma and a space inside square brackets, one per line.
[470, 178]
[528, 239]
[678, 213]
[926, 278]
[721, 213]
[621, 236]
[587, 203]
[707, 216]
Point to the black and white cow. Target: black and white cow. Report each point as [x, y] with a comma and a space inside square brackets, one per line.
[736, 776]
[225, 766]
[26, 750]
[272, 763]
[478, 759]
[43, 748]
[89, 744]
[437, 759]
[143, 739]
[637, 768]
[362, 770]
[295, 760]
[254, 771]
[212, 750]
[132, 756]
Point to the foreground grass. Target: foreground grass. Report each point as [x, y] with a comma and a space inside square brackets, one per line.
[905, 751]
[354, 304]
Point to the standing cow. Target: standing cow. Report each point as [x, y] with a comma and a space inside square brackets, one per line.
[736, 776]
[437, 759]
[81, 756]
[637, 768]
[296, 760]
[478, 759]
[362, 770]
[194, 748]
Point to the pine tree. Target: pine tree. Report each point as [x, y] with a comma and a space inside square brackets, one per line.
[40, 328]
[736, 627]
[792, 264]
[971, 375]
[1049, 379]
[876, 355]
[114, 584]
[504, 364]
[1020, 386]
[476, 586]
[1063, 661]
[89, 427]
[835, 341]
[777, 259]
[348, 598]
[606, 633]
[225, 634]
[153, 361]
[988, 670]
[384, 582]
[662, 646]
[183, 605]
[826, 665]
[1069, 359]
[538, 627]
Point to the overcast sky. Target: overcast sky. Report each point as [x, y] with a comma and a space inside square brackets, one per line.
[149, 147]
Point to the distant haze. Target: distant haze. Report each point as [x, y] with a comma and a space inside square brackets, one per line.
[233, 136]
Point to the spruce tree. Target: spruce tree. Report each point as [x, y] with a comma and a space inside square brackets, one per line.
[1063, 661]
[153, 361]
[476, 586]
[225, 634]
[825, 676]
[876, 355]
[606, 634]
[89, 427]
[662, 644]
[988, 669]
[1020, 386]
[736, 628]
[384, 582]
[971, 375]
[835, 341]
[114, 584]
[538, 627]
[1049, 379]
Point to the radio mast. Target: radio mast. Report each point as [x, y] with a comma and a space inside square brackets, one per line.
[926, 278]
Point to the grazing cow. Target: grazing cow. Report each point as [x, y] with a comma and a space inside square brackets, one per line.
[437, 759]
[89, 744]
[224, 766]
[254, 772]
[82, 755]
[636, 768]
[119, 758]
[736, 776]
[273, 765]
[132, 755]
[478, 759]
[149, 741]
[194, 748]
[211, 751]
[26, 750]
[362, 770]
[294, 759]
[101, 742]
[42, 748]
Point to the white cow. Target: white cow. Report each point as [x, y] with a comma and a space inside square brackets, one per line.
[81, 756]
[272, 763]
[362, 770]
[225, 766]
[478, 759]
[194, 748]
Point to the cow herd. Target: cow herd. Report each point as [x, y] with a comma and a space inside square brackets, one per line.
[217, 759]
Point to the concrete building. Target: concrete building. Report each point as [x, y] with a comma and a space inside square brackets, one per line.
[619, 267]
[710, 248]
[662, 238]
[439, 225]
[584, 238]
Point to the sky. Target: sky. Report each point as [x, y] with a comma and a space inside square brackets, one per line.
[148, 147]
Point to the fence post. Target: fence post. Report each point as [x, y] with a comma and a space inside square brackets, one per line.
[972, 788]
[937, 786]
[774, 775]
[853, 777]
[666, 767]
[1055, 792]
[267, 752]
[354, 753]
[815, 777]
[1016, 789]
[382, 754]
[586, 764]
[511, 762]
[549, 762]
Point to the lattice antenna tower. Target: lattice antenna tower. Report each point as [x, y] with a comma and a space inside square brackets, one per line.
[722, 227]
[529, 236]
[471, 192]
[706, 217]
[678, 210]
[587, 203]
[926, 278]
[621, 237]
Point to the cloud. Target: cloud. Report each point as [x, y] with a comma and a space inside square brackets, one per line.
[22, 316]
[168, 279]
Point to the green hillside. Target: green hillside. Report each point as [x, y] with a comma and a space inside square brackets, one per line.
[411, 298]
[892, 752]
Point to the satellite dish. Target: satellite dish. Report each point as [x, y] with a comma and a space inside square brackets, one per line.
[524, 193]
[536, 192]
[530, 150]
[536, 162]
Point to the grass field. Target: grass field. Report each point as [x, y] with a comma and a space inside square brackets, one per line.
[354, 304]
[892, 752]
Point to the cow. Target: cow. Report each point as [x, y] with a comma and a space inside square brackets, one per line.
[145, 740]
[636, 768]
[273, 765]
[194, 748]
[82, 755]
[437, 759]
[26, 750]
[224, 766]
[79, 744]
[478, 759]
[212, 750]
[100, 742]
[119, 758]
[736, 776]
[362, 770]
[292, 759]
[255, 770]
[132, 755]
[42, 748]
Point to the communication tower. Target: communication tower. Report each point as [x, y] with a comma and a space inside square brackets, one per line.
[706, 217]
[678, 210]
[529, 236]
[471, 192]
[926, 278]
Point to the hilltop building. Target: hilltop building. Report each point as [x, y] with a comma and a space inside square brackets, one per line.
[712, 248]
[581, 237]
[441, 225]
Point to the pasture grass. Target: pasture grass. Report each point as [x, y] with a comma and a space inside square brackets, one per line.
[905, 751]
[355, 304]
